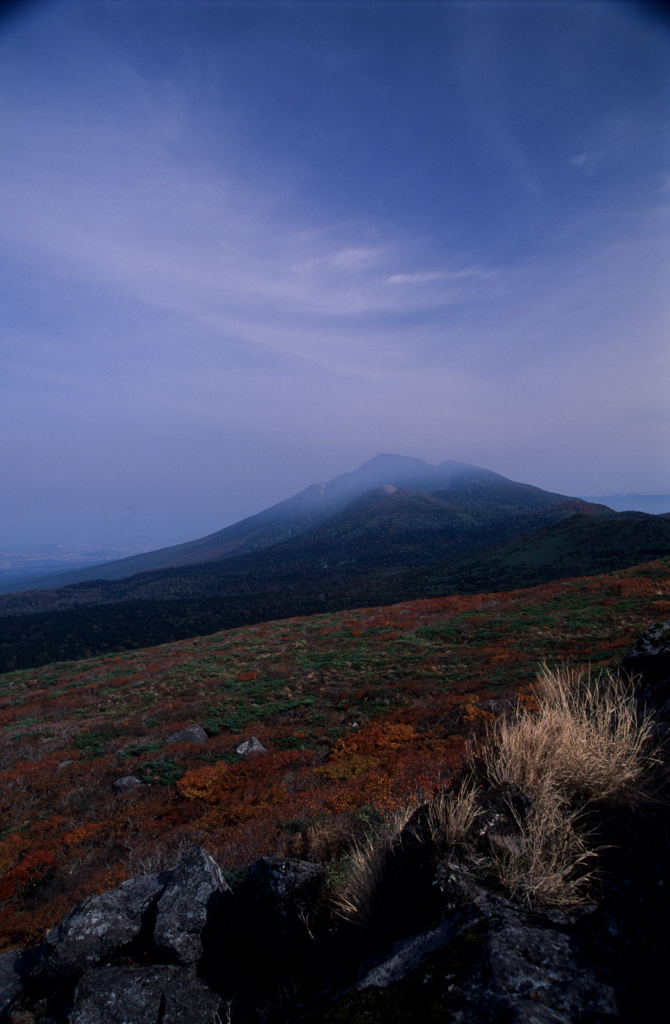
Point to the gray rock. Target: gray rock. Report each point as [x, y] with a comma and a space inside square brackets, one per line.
[251, 746]
[143, 995]
[193, 900]
[531, 972]
[127, 783]
[524, 968]
[98, 926]
[409, 953]
[193, 734]
[10, 983]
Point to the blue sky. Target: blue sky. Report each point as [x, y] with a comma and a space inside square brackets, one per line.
[248, 246]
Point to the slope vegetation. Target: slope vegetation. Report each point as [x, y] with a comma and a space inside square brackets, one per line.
[361, 712]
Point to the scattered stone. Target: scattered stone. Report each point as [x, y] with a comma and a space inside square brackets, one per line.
[97, 927]
[192, 901]
[143, 995]
[193, 734]
[11, 985]
[251, 746]
[127, 783]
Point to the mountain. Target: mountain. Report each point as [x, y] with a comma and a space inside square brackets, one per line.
[311, 507]
[383, 532]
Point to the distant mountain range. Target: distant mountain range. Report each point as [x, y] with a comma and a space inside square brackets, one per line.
[418, 531]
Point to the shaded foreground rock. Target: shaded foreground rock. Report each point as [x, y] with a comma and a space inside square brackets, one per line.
[96, 927]
[11, 986]
[191, 902]
[151, 995]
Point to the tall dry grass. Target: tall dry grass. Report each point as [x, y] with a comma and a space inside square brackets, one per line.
[585, 742]
[451, 815]
[586, 745]
[356, 899]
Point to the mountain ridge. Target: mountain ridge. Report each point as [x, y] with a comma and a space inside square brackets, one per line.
[301, 512]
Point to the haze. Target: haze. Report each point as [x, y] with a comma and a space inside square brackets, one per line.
[248, 246]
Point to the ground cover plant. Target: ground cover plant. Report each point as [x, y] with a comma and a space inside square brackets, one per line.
[362, 713]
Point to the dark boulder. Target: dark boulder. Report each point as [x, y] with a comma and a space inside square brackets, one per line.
[488, 963]
[280, 896]
[649, 665]
[192, 902]
[143, 995]
[650, 658]
[96, 928]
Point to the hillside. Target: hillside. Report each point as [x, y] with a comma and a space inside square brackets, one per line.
[574, 546]
[314, 505]
[580, 545]
[359, 709]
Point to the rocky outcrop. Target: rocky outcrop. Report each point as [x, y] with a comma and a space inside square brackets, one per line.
[649, 665]
[97, 927]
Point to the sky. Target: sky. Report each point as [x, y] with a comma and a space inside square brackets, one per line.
[248, 246]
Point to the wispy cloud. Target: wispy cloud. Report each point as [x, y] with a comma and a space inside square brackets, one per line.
[425, 277]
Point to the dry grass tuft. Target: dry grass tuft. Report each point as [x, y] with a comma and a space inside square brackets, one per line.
[355, 899]
[585, 745]
[544, 865]
[452, 815]
[585, 740]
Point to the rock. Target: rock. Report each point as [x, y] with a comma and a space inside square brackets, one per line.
[127, 783]
[651, 655]
[489, 963]
[281, 894]
[143, 995]
[192, 901]
[531, 971]
[96, 927]
[649, 664]
[251, 746]
[11, 986]
[409, 953]
[193, 734]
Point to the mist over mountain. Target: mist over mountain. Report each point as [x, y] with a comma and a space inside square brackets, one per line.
[314, 505]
